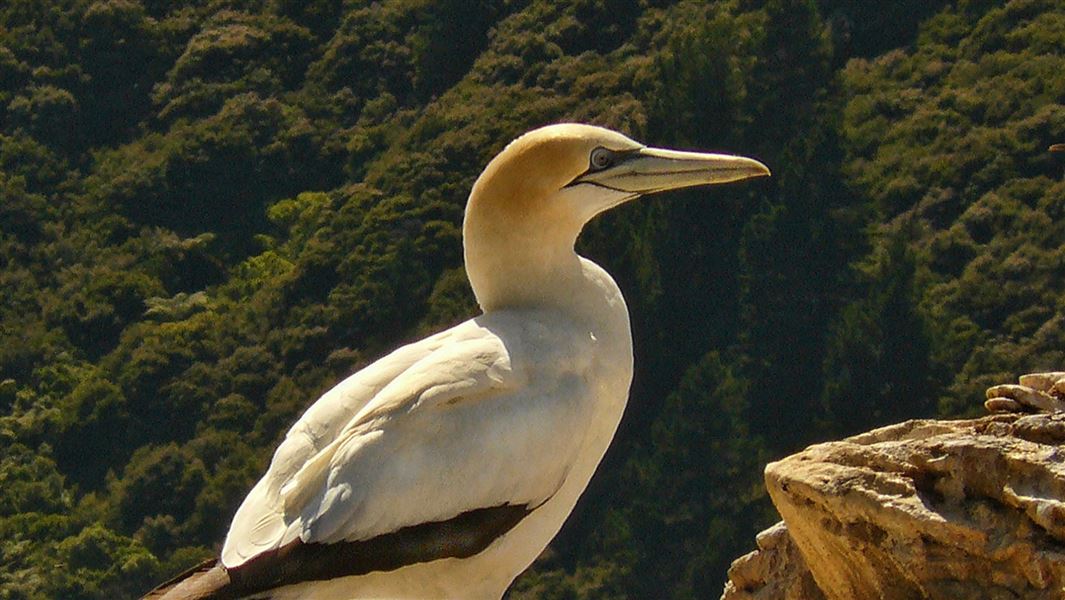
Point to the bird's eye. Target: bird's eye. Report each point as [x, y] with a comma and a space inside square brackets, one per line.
[601, 159]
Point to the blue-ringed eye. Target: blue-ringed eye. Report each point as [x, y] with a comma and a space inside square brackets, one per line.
[600, 159]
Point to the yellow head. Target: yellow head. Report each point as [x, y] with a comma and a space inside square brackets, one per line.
[530, 203]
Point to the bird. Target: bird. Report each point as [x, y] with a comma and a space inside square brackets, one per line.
[445, 468]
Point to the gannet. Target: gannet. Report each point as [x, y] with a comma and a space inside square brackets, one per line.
[443, 469]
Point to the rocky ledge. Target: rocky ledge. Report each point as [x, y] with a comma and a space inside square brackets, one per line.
[923, 509]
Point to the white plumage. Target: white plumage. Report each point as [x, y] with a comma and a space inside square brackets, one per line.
[462, 454]
[405, 454]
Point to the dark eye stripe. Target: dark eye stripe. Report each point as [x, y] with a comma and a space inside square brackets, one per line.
[616, 157]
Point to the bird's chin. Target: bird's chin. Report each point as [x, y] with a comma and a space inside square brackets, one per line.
[588, 199]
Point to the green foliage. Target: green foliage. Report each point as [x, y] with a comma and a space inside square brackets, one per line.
[48, 113]
[211, 212]
[30, 481]
[234, 53]
[157, 481]
[699, 445]
[950, 139]
[878, 364]
[91, 414]
[98, 563]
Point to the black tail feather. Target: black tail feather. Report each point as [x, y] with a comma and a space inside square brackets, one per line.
[208, 580]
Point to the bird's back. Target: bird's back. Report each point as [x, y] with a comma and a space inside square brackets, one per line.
[475, 428]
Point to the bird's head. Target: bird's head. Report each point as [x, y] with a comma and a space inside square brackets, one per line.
[563, 175]
[534, 197]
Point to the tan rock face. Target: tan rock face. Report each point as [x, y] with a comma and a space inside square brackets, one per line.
[923, 509]
[775, 571]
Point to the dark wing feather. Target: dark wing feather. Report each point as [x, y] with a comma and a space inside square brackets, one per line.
[206, 581]
[458, 537]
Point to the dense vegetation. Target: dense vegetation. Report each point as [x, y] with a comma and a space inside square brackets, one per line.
[213, 210]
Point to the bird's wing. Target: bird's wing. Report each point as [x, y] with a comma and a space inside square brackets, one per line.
[473, 425]
[259, 521]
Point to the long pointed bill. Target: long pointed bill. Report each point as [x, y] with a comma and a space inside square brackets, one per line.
[650, 170]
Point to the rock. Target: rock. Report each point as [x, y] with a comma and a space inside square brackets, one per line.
[1034, 392]
[923, 509]
[775, 571]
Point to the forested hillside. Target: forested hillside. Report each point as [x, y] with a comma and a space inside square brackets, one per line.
[211, 211]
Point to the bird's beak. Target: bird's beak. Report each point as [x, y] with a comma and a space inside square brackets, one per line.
[650, 170]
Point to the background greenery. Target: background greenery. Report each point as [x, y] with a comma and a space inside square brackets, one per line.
[213, 210]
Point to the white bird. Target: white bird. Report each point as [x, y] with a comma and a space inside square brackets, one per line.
[443, 469]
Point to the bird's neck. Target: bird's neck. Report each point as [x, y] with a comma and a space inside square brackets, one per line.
[534, 269]
[503, 278]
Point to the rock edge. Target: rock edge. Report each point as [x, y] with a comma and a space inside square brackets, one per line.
[921, 509]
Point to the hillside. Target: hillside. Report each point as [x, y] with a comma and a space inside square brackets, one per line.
[212, 211]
